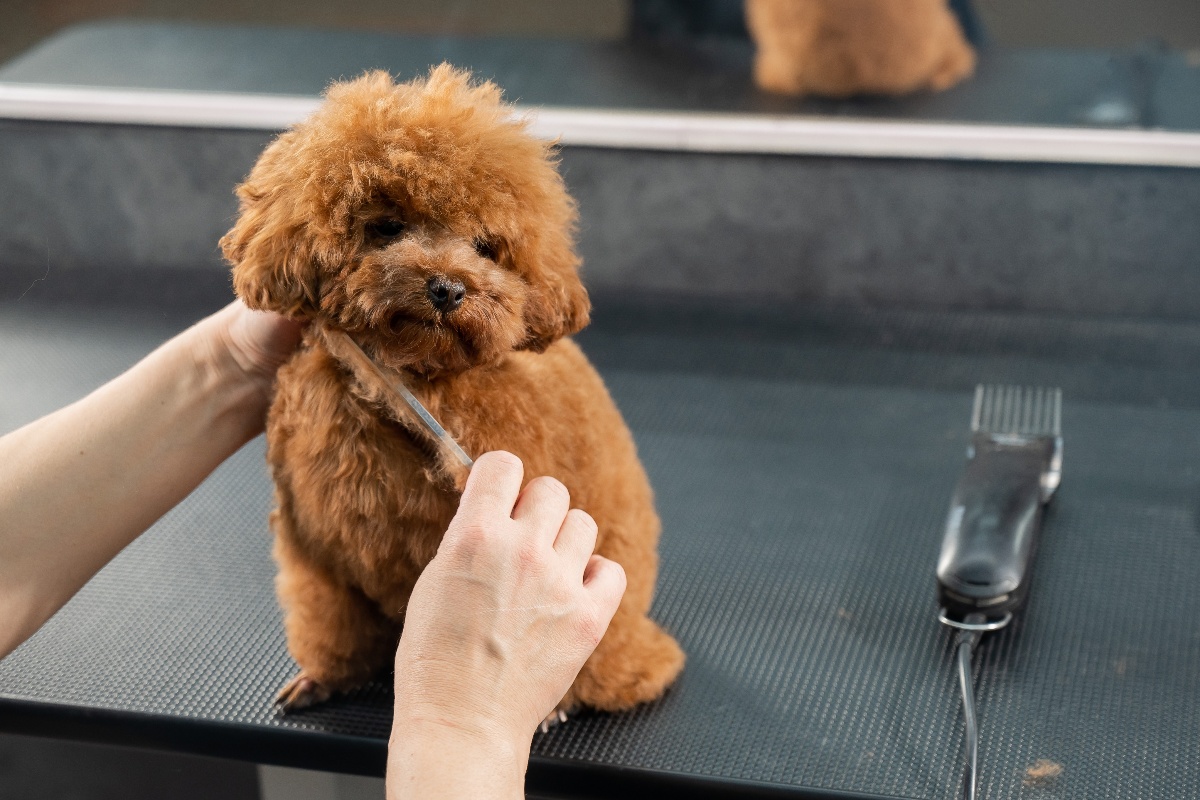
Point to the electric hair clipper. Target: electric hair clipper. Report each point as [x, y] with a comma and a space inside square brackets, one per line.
[1014, 466]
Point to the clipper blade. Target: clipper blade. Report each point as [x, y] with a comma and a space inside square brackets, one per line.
[1017, 411]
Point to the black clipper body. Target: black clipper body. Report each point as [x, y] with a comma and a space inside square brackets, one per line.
[1013, 469]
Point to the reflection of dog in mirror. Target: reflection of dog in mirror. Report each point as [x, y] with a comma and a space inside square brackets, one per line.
[429, 225]
[839, 48]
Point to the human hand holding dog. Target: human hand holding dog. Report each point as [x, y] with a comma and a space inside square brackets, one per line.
[113, 462]
[251, 346]
[498, 626]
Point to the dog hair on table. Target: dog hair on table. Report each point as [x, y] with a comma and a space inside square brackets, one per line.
[426, 222]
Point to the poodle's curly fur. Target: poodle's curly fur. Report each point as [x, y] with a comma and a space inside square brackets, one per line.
[838, 48]
[345, 220]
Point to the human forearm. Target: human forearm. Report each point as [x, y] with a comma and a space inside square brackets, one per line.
[79, 485]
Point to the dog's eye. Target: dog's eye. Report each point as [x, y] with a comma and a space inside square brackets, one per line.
[486, 249]
[386, 228]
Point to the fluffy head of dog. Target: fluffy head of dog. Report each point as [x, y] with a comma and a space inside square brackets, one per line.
[420, 217]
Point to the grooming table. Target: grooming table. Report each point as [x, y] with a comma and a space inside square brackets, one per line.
[803, 465]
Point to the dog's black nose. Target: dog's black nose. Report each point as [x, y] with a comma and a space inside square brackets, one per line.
[445, 294]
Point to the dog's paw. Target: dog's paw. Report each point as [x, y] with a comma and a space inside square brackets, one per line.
[301, 692]
[637, 667]
[566, 707]
[555, 718]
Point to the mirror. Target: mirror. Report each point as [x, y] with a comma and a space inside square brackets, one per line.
[1072, 63]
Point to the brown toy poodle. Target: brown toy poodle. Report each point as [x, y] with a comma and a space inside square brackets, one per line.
[424, 221]
[839, 48]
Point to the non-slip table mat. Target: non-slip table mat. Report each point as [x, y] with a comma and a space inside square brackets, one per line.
[803, 469]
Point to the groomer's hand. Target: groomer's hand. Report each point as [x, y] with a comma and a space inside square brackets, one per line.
[498, 626]
[250, 345]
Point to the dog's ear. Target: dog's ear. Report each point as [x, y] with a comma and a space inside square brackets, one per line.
[274, 267]
[557, 304]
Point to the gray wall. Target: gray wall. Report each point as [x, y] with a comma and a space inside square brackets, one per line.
[152, 202]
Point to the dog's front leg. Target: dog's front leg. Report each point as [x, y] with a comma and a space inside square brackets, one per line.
[336, 634]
